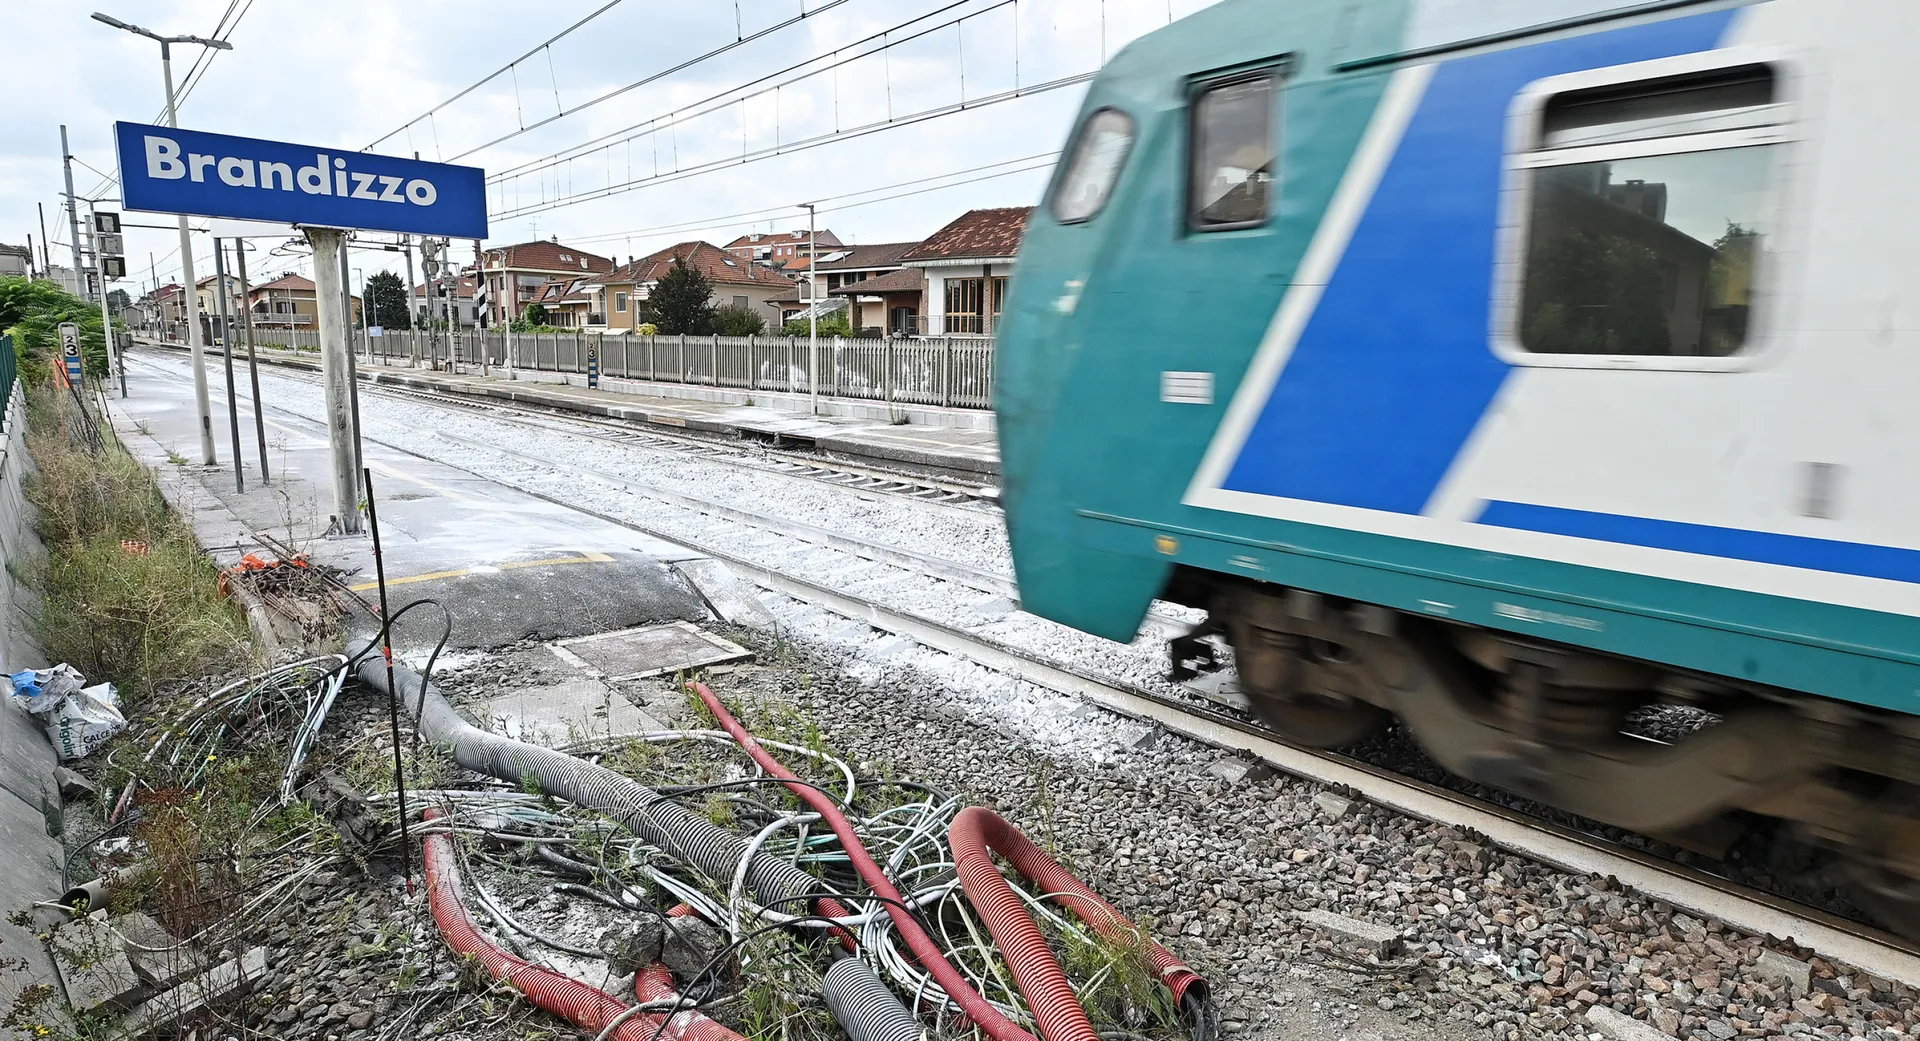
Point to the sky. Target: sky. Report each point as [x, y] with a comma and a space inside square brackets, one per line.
[785, 91]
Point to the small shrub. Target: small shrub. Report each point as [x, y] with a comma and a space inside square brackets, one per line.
[737, 321]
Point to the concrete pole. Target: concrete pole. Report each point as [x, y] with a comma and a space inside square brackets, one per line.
[73, 218]
[226, 353]
[334, 375]
[413, 317]
[192, 301]
[253, 363]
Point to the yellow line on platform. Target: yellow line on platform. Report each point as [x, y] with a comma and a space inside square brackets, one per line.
[583, 558]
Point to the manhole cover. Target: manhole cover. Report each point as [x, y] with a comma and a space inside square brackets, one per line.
[651, 650]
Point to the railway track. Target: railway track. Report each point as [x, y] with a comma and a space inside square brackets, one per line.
[855, 569]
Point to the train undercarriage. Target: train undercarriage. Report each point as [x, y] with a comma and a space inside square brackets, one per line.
[1557, 725]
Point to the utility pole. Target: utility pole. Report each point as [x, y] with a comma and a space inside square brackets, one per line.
[73, 219]
[334, 375]
[413, 318]
[813, 315]
[226, 351]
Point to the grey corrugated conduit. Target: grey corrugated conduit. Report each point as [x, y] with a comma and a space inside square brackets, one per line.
[866, 1008]
[860, 1001]
[654, 818]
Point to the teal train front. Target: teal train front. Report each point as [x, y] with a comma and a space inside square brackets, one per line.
[1512, 369]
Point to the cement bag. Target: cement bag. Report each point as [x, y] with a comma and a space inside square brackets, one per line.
[39, 690]
[78, 720]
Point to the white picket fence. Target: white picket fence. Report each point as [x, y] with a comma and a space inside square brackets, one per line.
[950, 371]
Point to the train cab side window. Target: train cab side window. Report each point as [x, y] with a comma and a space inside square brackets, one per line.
[1234, 154]
[1101, 151]
[1652, 208]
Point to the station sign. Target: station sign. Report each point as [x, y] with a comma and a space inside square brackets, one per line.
[168, 170]
[70, 352]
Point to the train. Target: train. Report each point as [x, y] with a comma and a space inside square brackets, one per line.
[1514, 372]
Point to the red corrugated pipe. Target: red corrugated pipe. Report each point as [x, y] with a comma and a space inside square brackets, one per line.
[925, 950]
[588, 1008]
[977, 833]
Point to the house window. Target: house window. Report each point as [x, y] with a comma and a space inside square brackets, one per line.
[967, 303]
[620, 302]
[1652, 204]
[1234, 154]
[1095, 166]
[741, 303]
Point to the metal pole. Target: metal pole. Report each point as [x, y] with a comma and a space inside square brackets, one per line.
[226, 352]
[253, 365]
[353, 370]
[192, 301]
[813, 316]
[336, 376]
[413, 318]
[46, 258]
[114, 361]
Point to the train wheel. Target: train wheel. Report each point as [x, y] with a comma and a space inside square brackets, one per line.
[1319, 722]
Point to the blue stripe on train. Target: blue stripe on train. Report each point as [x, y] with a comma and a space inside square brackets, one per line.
[1762, 547]
[1394, 369]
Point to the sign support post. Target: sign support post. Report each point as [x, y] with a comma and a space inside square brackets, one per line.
[253, 364]
[335, 358]
[226, 351]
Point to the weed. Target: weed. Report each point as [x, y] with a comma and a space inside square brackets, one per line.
[127, 595]
[1116, 978]
[720, 810]
[176, 458]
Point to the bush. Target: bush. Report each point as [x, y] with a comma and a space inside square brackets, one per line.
[834, 324]
[33, 310]
[647, 329]
[737, 321]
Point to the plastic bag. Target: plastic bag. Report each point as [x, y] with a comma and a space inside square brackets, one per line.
[39, 690]
[78, 719]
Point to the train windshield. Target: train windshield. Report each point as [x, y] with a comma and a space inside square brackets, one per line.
[1095, 166]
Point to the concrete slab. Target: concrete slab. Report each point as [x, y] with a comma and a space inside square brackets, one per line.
[29, 872]
[564, 713]
[653, 650]
[507, 565]
[94, 968]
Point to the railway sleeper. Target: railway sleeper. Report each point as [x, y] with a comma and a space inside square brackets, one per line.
[1549, 723]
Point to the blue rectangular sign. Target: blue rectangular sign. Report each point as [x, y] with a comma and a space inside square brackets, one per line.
[165, 170]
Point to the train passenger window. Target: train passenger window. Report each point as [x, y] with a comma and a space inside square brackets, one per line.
[1652, 208]
[1097, 158]
[1234, 154]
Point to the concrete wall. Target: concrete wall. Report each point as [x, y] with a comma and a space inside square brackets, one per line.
[29, 865]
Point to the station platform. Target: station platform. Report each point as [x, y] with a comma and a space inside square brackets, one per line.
[508, 565]
[952, 439]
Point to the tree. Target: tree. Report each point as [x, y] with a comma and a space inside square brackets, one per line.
[683, 300]
[387, 301]
[534, 317]
[737, 321]
[118, 299]
[33, 311]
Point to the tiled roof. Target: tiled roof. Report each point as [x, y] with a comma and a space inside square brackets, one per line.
[546, 256]
[868, 258]
[720, 267]
[561, 291]
[821, 236]
[290, 282]
[905, 280]
[977, 233]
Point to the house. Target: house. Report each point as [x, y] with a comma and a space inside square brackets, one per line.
[464, 297]
[777, 250]
[566, 304]
[15, 261]
[288, 302]
[891, 305]
[967, 264]
[516, 274]
[209, 302]
[618, 295]
[167, 304]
